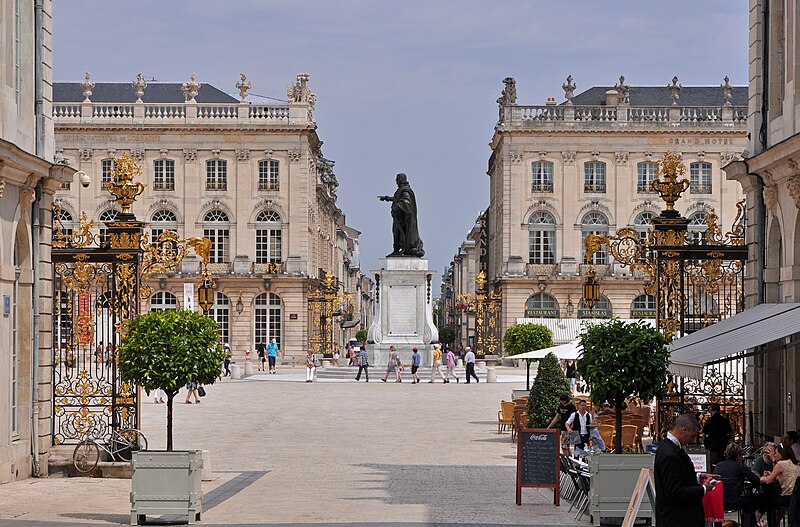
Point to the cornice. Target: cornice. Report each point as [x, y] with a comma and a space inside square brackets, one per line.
[194, 128]
[622, 131]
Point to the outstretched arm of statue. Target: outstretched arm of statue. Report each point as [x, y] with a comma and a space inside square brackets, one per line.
[386, 198]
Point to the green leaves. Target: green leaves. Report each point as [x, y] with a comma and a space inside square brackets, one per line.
[547, 387]
[521, 338]
[623, 360]
[165, 348]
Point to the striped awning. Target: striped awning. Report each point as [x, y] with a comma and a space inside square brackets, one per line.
[752, 327]
[566, 330]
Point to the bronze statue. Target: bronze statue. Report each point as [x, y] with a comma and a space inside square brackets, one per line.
[404, 220]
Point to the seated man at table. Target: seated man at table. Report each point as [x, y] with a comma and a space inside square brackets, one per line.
[763, 464]
[733, 474]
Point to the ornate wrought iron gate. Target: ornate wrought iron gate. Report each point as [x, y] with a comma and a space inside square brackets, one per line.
[325, 303]
[488, 306]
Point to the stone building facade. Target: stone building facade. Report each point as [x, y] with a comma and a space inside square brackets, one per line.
[28, 181]
[559, 172]
[251, 177]
[770, 178]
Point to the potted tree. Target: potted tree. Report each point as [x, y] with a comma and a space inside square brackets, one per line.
[549, 384]
[621, 360]
[165, 349]
[522, 338]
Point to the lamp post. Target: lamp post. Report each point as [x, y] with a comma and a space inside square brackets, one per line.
[205, 292]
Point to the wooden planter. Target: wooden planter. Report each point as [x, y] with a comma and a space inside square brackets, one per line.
[613, 479]
[166, 483]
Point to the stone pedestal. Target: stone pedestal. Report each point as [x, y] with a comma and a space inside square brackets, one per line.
[403, 311]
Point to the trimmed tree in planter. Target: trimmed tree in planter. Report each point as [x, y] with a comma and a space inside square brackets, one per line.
[521, 338]
[623, 360]
[361, 335]
[549, 384]
[164, 349]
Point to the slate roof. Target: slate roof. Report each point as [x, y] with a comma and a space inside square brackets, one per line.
[122, 92]
[660, 96]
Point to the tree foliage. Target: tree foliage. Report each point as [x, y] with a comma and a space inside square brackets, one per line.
[361, 335]
[521, 338]
[623, 360]
[549, 384]
[164, 349]
[447, 334]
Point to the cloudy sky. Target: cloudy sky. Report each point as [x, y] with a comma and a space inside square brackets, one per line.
[410, 85]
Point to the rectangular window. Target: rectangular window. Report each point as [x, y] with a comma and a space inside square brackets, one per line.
[216, 174]
[164, 174]
[268, 175]
[700, 178]
[541, 245]
[542, 176]
[268, 245]
[594, 177]
[106, 166]
[220, 250]
[645, 174]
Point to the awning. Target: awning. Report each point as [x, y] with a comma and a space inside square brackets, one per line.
[566, 330]
[748, 329]
[563, 352]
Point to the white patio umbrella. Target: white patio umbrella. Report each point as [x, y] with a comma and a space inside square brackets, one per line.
[570, 350]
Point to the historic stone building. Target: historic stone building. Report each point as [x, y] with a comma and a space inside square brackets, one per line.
[251, 177]
[559, 172]
[770, 177]
[28, 180]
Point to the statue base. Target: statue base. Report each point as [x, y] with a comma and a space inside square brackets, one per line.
[403, 311]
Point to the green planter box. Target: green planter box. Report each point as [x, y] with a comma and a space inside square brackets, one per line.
[613, 479]
[166, 483]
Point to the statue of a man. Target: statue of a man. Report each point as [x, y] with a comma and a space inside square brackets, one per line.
[404, 220]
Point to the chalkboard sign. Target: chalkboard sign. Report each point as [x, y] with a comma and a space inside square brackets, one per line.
[538, 460]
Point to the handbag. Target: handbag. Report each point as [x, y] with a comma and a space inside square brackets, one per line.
[201, 391]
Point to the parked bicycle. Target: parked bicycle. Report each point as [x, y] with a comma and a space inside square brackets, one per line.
[123, 441]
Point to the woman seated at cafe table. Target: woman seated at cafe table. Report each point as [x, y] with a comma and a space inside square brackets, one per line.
[784, 472]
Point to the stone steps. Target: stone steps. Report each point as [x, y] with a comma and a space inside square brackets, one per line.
[349, 372]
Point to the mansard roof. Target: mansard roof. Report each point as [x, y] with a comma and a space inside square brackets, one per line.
[122, 92]
[660, 96]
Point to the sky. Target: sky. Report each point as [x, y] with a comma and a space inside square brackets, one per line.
[405, 85]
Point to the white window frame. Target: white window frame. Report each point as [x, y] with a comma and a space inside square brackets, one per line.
[542, 242]
[700, 177]
[164, 175]
[646, 173]
[221, 313]
[218, 231]
[269, 237]
[106, 171]
[594, 177]
[159, 225]
[268, 318]
[594, 226]
[269, 174]
[217, 175]
[542, 176]
[163, 301]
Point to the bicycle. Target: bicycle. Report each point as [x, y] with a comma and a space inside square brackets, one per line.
[87, 453]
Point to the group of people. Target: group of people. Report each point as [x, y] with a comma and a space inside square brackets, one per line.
[269, 353]
[575, 422]
[395, 365]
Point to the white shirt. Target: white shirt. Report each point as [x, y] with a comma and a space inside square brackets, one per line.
[469, 357]
[675, 440]
[582, 420]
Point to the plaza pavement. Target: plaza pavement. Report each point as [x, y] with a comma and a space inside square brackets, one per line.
[286, 452]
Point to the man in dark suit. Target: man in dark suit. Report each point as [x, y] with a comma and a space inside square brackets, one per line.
[679, 489]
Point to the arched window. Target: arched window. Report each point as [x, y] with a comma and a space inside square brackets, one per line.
[643, 223]
[700, 178]
[269, 243]
[216, 174]
[268, 318]
[216, 227]
[644, 306]
[646, 172]
[602, 309]
[541, 305]
[697, 227]
[221, 313]
[106, 215]
[542, 238]
[162, 220]
[269, 175]
[594, 177]
[163, 300]
[594, 223]
[542, 176]
[66, 221]
[163, 174]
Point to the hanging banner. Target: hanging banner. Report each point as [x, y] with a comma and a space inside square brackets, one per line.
[188, 296]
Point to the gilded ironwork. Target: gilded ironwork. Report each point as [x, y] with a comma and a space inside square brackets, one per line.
[97, 284]
[668, 186]
[325, 303]
[487, 306]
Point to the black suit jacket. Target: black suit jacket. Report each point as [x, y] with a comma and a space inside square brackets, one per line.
[679, 497]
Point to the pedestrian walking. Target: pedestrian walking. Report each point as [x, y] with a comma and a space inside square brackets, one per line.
[415, 362]
[192, 387]
[272, 355]
[227, 361]
[335, 358]
[469, 362]
[311, 366]
[351, 353]
[261, 349]
[363, 364]
[451, 366]
[159, 396]
[393, 365]
[436, 363]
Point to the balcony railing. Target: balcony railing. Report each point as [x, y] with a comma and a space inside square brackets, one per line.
[698, 188]
[220, 268]
[268, 268]
[533, 269]
[597, 188]
[644, 188]
[268, 185]
[189, 112]
[163, 185]
[217, 185]
[544, 186]
[623, 116]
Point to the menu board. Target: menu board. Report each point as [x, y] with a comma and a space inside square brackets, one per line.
[538, 460]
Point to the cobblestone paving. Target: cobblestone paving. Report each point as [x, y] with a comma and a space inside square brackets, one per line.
[326, 453]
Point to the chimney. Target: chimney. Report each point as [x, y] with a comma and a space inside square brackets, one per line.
[612, 98]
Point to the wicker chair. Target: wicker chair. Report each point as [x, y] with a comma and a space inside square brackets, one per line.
[607, 433]
[505, 416]
[630, 441]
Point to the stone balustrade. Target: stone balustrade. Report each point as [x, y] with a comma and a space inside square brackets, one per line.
[268, 268]
[622, 116]
[180, 113]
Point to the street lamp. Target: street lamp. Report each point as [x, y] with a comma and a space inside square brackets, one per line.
[570, 305]
[591, 290]
[205, 292]
[239, 305]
